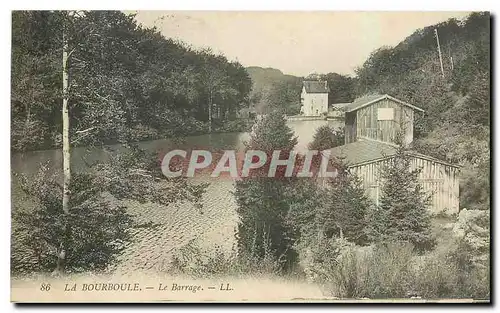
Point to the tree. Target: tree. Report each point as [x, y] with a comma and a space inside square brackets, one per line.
[263, 202]
[35, 80]
[342, 88]
[216, 82]
[61, 253]
[97, 225]
[344, 211]
[402, 214]
[326, 137]
[284, 96]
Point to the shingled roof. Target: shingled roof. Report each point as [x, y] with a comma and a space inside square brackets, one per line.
[362, 151]
[365, 151]
[369, 99]
[314, 86]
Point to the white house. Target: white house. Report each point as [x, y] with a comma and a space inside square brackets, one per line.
[314, 98]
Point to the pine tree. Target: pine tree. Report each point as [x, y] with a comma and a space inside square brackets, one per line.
[345, 208]
[402, 214]
[264, 202]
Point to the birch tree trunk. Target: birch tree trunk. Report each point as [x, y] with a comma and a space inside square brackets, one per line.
[61, 255]
[210, 112]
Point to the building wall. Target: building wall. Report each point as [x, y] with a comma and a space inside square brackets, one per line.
[314, 104]
[370, 123]
[438, 179]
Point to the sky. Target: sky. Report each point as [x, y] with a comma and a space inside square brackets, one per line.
[297, 43]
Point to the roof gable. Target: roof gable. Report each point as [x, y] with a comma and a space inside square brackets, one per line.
[367, 100]
[314, 86]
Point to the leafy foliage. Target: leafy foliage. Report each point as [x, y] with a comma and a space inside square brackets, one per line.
[128, 82]
[327, 137]
[395, 270]
[342, 87]
[94, 230]
[284, 96]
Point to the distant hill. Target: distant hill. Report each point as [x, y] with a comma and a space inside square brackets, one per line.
[264, 78]
[268, 86]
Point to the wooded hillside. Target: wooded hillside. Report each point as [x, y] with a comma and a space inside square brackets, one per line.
[129, 82]
[456, 125]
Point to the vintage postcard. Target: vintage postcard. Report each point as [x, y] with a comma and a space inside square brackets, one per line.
[227, 156]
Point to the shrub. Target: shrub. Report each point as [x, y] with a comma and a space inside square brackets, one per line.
[451, 274]
[192, 260]
[327, 137]
[349, 271]
[214, 261]
[389, 271]
[395, 270]
[335, 265]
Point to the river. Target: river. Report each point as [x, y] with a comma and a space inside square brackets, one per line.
[29, 162]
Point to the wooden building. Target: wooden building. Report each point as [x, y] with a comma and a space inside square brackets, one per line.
[379, 117]
[367, 157]
[371, 125]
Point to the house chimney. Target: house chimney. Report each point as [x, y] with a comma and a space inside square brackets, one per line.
[325, 84]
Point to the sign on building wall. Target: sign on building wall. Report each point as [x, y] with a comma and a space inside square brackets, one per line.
[385, 114]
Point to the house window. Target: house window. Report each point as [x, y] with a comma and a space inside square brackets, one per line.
[385, 114]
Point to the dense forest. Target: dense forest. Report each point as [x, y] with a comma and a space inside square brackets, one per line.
[128, 82]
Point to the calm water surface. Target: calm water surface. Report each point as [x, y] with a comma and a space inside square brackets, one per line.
[29, 162]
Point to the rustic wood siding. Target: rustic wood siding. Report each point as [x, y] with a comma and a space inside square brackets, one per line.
[368, 125]
[438, 179]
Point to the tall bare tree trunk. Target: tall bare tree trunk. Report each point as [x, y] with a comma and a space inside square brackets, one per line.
[439, 52]
[61, 255]
[210, 104]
